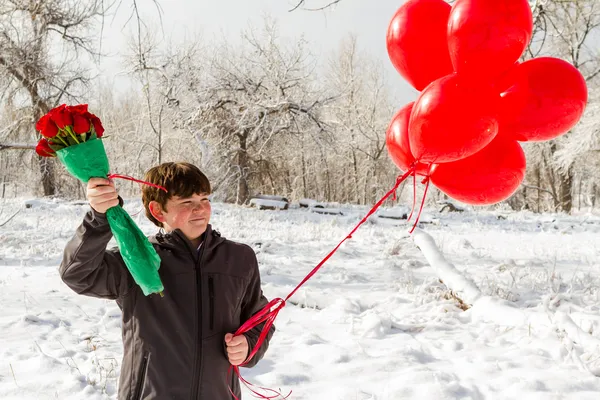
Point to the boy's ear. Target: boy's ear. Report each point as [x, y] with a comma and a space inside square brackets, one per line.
[156, 211]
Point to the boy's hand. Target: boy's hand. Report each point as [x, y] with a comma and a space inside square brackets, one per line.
[101, 194]
[237, 348]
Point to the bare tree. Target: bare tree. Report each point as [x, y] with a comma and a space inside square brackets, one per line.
[43, 47]
[566, 29]
[248, 99]
[159, 67]
[360, 117]
[321, 5]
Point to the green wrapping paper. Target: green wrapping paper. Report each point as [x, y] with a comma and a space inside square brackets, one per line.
[88, 160]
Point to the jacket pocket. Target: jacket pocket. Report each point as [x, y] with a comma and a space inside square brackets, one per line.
[211, 302]
[139, 388]
[222, 294]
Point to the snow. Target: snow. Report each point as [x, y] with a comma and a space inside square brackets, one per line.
[374, 323]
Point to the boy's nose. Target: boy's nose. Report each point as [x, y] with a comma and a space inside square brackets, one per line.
[198, 207]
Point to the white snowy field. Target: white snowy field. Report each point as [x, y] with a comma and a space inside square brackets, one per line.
[374, 323]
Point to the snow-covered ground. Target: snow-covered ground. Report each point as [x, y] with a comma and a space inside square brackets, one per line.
[374, 323]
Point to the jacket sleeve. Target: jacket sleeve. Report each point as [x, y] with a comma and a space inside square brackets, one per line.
[88, 267]
[253, 302]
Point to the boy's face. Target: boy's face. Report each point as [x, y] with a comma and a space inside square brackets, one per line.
[189, 214]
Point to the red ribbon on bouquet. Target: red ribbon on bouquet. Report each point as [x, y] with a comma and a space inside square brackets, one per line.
[130, 178]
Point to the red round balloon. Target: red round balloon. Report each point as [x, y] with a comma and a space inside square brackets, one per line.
[451, 121]
[487, 177]
[417, 42]
[542, 98]
[397, 143]
[486, 37]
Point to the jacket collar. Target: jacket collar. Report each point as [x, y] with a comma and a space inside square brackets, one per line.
[176, 240]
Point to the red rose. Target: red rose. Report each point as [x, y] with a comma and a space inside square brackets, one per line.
[46, 126]
[80, 124]
[43, 148]
[97, 125]
[80, 109]
[61, 116]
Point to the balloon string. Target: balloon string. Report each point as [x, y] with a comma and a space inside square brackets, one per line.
[414, 194]
[371, 212]
[426, 181]
[269, 312]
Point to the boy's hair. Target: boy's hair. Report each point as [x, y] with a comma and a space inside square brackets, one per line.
[181, 179]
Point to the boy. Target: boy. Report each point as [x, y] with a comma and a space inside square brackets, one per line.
[177, 346]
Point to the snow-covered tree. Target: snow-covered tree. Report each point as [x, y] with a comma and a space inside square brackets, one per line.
[359, 117]
[252, 102]
[44, 45]
[559, 170]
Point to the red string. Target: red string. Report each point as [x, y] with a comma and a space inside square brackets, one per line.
[129, 178]
[371, 212]
[414, 195]
[268, 313]
[422, 204]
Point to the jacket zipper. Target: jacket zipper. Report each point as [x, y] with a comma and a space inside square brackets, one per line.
[142, 377]
[198, 360]
[211, 300]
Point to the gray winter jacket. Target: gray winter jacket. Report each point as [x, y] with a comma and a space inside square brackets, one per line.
[173, 345]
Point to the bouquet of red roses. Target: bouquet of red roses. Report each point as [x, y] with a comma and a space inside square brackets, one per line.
[66, 126]
[73, 135]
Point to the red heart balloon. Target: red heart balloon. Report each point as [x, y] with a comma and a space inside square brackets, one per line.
[417, 42]
[485, 37]
[487, 177]
[451, 120]
[542, 98]
[397, 143]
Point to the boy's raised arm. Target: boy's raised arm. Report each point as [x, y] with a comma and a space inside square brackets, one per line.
[87, 266]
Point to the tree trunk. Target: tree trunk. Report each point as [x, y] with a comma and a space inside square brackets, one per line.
[304, 192]
[566, 191]
[271, 180]
[355, 169]
[552, 178]
[539, 185]
[366, 188]
[579, 195]
[242, 160]
[47, 172]
[160, 147]
[328, 193]
[46, 164]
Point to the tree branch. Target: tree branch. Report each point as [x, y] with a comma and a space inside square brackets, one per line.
[301, 3]
[16, 146]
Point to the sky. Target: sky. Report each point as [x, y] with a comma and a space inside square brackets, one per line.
[367, 20]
